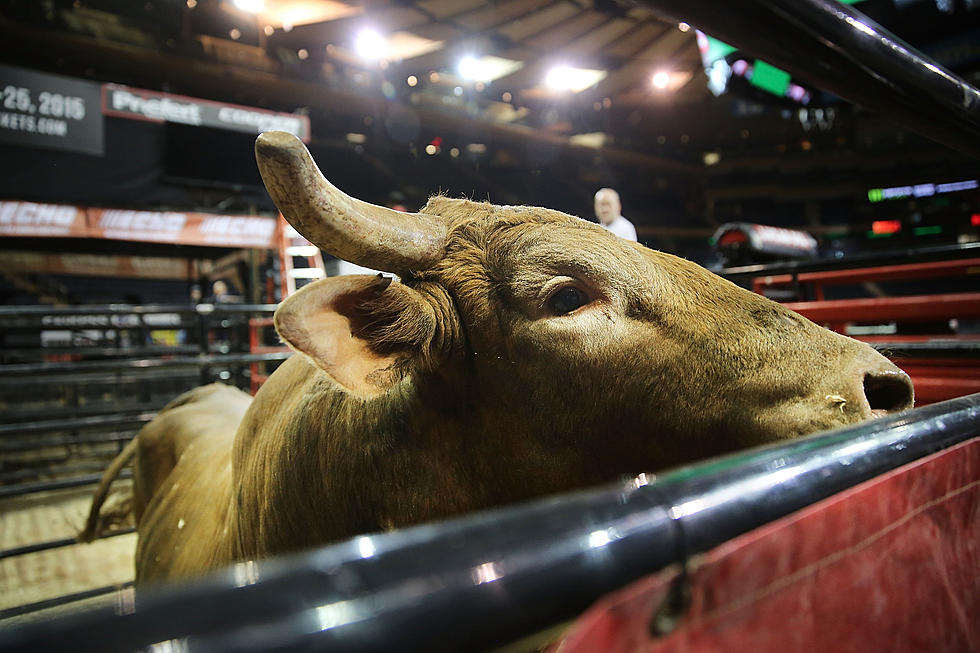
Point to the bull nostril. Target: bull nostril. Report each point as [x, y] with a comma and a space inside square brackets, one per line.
[888, 392]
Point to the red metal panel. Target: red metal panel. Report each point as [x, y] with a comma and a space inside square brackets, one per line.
[929, 390]
[938, 339]
[938, 379]
[879, 273]
[876, 310]
[890, 565]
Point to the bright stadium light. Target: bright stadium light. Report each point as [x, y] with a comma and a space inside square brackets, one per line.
[469, 68]
[486, 68]
[560, 78]
[251, 6]
[567, 78]
[369, 44]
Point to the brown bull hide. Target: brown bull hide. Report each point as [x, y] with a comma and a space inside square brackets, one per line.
[539, 354]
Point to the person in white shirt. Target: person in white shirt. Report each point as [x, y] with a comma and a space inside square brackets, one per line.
[607, 209]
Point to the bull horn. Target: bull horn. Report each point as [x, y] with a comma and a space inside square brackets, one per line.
[362, 233]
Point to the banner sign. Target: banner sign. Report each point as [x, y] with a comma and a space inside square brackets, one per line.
[50, 111]
[176, 227]
[53, 220]
[140, 104]
[96, 265]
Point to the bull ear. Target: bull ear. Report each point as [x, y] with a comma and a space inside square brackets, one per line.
[348, 327]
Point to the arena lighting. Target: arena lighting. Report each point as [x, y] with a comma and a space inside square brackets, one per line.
[886, 226]
[661, 79]
[369, 44]
[486, 68]
[469, 68]
[251, 6]
[567, 78]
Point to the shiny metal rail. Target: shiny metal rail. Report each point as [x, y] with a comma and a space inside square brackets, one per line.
[485, 580]
[78, 423]
[745, 273]
[22, 489]
[55, 544]
[838, 49]
[79, 367]
[62, 600]
[7, 312]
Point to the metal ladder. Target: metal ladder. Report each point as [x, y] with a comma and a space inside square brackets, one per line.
[300, 262]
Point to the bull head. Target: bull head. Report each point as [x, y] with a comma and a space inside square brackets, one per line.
[578, 353]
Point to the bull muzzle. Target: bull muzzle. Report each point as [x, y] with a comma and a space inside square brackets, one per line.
[887, 390]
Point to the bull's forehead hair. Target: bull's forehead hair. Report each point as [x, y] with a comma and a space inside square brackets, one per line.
[516, 249]
[484, 241]
[459, 212]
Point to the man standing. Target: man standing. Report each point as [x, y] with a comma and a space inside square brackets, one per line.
[607, 209]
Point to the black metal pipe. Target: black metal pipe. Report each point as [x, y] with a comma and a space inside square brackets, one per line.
[61, 600]
[33, 443]
[488, 579]
[138, 364]
[61, 484]
[137, 309]
[101, 421]
[863, 260]
[55, 544]
[58, 381]
[126, 404]
[63, 466]
[838, 49]
[102, 352]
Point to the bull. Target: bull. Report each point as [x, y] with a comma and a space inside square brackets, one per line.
[523, 352]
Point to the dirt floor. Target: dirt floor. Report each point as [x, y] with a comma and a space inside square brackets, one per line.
[34, 577]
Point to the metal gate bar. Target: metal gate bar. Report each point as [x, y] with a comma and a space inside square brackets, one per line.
[492, 578]
[55, 544]
[61, 600]
[60, 484]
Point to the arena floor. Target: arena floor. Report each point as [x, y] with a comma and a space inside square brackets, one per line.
[35, 577]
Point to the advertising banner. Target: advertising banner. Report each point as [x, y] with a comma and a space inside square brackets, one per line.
[51, 220]
[50, 111]
[178, 227]
[140, 104]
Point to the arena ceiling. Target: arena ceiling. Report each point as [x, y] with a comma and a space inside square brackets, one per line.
[609, 85]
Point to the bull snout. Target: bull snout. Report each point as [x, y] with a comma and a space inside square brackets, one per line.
[885, 389]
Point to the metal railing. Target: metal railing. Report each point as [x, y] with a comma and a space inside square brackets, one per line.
[484, 580]
[487, 579]
[840, 50]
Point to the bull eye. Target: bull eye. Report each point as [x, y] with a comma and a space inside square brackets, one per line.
[567, 300]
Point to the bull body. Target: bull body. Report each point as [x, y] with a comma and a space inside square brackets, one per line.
[536, 353]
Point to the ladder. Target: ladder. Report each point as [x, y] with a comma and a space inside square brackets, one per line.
[300, 262]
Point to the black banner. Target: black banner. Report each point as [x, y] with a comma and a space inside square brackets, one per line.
[50, 111]
[153, 106]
